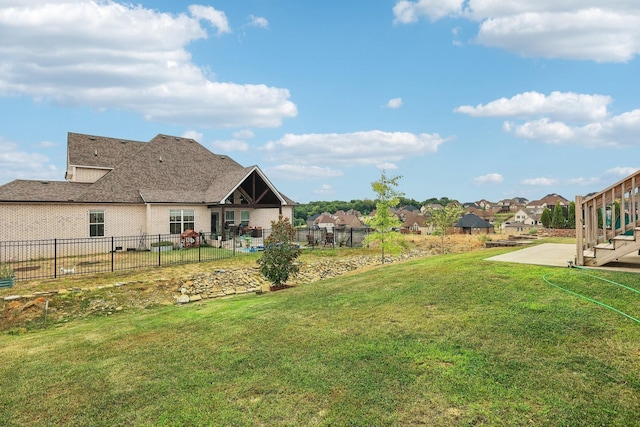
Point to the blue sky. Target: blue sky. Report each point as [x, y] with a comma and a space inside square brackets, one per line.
[465, 99]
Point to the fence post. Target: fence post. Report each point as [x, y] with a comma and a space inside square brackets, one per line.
[113, 251]
[55, 258]
[351, 231]
[159, 251]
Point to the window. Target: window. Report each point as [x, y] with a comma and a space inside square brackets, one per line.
[230, 217]
[96, 223]
[181, 220]
[244, 218]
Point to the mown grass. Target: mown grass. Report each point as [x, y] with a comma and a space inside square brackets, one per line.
[443, 341]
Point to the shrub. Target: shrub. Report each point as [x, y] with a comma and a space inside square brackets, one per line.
[6, 272]
[277, 261]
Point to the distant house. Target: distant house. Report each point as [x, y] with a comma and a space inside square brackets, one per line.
[338, 220]
[472, 224]
[488, 214]
[529, 216]
[118, 187]
[431, 207]
[414, 222]
[548, 201]
[325, 221]
[512, 205]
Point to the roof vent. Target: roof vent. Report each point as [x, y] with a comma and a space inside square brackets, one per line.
[44, 182]
[123, 141]
[92, 138]
[95, 153]
[160, 159]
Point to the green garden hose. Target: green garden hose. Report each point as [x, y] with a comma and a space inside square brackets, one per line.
[544, 277]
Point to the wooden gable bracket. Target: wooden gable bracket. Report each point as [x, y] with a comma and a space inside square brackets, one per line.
[247, 197]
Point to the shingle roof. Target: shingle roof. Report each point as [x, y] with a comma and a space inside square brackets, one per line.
[99, 151]
[166, 169]
[472, 221]
[41, 191]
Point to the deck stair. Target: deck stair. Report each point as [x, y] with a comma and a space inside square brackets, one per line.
[603, 234]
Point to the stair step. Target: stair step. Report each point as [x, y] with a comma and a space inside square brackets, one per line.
[625, 238]
[604, 246]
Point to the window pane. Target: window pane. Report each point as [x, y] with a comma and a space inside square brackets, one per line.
[174, 228]
[175, 215]
[244, 215]
[188, 216]
[189, 226]
[230, 216]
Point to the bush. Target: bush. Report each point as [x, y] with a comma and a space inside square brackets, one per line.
[6, 272]
[277, 261]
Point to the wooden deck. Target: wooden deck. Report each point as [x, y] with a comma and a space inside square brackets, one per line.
[607, 223]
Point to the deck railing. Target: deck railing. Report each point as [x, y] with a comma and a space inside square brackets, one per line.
[599, 218]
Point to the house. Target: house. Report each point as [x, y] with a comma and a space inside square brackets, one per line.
[529, 216]
[118, 187]
[339, 220]
[415, 222]
[488, 214]
[472, 224]
[325, 221]
[548, 201]
[512, 205]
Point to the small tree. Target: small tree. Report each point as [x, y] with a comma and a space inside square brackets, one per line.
[557, 220]
[384, 222]
[444, 218]
[571, 215]
[280, 252]
[545, 218]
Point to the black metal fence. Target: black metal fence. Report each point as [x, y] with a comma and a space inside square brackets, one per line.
[343, 237]
[53, 258]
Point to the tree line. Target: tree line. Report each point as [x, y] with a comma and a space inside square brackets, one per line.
[365, 206]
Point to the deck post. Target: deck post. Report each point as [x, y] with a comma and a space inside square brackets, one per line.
[579, 232]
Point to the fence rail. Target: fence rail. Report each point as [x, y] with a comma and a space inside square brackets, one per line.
[53, 258]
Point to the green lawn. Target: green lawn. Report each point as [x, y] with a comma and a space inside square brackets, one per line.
[450, 340]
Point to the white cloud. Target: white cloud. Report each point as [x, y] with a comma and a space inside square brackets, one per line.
[324, 190]
[108, 55]
[192, 134]
[406, 12]
[571, 29]
[215, 17]
[243, 134]
[557, 105]
[230, 145]
[387, 166]
[47, 144]
[617, 131]
[543, 182]
[394, 103]
[350, 149]
[258, 21]
[297, 171]
[584, 181]
[563, 118]
[17, 164]
[492, 178]
[621, 171]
